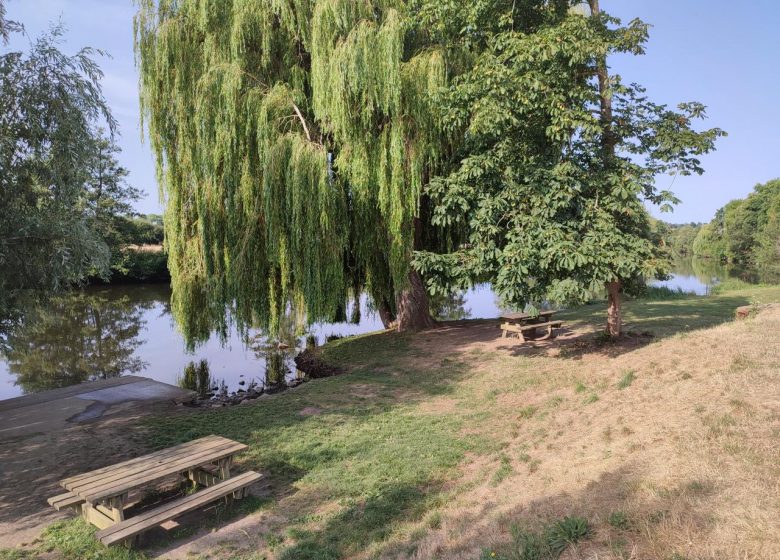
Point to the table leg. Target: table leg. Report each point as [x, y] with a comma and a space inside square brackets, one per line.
[98, 518]
[209, 478]
[224, 467]
[103, 516]
[117, 507]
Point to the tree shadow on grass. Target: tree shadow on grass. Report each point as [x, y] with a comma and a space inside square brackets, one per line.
[363, 523]
[645, 322]
[619, 494]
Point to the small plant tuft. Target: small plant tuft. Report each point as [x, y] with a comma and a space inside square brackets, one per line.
[626, 380]
[619, 520]
[566, 532]
[593, 397]
[527, 411]
[504, 470]
[547, 544]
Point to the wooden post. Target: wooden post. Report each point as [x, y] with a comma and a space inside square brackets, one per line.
[224, 467]
[117, 507]
[93, 515]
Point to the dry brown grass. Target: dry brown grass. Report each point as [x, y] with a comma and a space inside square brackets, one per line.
[689, 451]
[144, 248]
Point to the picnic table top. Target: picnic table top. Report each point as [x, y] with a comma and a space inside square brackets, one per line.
[115, 480]
[522, 316]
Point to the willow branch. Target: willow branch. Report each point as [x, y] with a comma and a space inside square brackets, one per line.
[303, 121]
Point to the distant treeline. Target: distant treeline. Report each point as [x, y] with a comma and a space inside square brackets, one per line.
[137, 254]
[745, 231]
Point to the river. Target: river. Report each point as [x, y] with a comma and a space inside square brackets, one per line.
[103, 332]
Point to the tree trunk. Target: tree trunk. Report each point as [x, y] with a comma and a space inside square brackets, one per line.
[614, 316]
[386, 314]
[413, 310]
[608, 143]
[608, 139]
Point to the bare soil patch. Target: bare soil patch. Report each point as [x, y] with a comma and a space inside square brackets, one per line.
[32, 465]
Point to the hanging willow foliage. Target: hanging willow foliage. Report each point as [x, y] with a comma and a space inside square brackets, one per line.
[293, 139]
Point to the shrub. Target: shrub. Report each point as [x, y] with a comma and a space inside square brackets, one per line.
[196, 378]
[141, 266]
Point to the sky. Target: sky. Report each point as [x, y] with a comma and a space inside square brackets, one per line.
[719, 52]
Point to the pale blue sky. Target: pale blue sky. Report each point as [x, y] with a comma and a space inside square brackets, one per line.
[720, 52]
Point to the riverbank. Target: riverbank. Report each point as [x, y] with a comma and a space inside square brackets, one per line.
[447, 443]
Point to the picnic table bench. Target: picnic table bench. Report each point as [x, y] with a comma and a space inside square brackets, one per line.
[525, 325]
[102, 494]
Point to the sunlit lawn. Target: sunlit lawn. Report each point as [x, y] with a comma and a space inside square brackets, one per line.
[358, 465]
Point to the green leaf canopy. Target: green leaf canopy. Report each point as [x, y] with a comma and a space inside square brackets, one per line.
[557, 165]
[293, 140]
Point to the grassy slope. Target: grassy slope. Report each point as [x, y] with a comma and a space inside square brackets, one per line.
[436, 445]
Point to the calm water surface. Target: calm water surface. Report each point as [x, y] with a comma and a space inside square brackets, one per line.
[701, 275]
[129, 330]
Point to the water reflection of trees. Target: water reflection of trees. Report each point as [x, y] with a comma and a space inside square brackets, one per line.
[451, 307]
[278, 353]
[197, 378]
[78, 336]
[712, 271]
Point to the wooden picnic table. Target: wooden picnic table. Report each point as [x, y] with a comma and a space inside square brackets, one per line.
[103, 493]
[527, 317]
[526, 324]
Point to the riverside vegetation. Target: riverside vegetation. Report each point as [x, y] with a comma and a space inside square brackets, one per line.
[444, 444]
[744, 232]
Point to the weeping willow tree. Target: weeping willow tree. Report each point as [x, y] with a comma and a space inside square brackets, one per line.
[293, 139]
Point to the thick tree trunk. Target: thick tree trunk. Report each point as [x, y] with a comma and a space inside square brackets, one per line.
[614, 311]
[386, 314]
[413, 310]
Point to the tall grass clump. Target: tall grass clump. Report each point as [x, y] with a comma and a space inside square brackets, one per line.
[663, 293]
[733, 284]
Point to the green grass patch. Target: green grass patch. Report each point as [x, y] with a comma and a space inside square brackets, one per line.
[590, 399]
[71, 540]
[672, 316]
[527, 411]
[733, 285]
[547, 544]
[369, 457]
[627, 379]
[619, 520]
[504, 470]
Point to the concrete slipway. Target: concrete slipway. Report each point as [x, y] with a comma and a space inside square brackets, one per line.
[53, 410]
